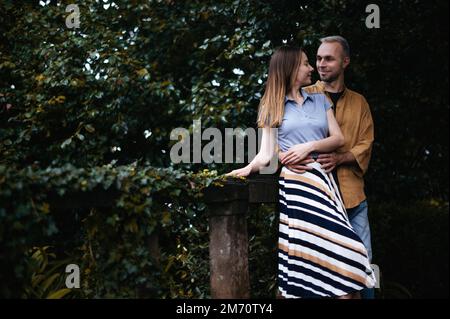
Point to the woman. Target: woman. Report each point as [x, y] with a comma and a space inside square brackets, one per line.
[319, 254]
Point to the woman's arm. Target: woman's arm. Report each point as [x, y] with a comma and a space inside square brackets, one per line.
[334, 141]
[299, 152]
[265, 154]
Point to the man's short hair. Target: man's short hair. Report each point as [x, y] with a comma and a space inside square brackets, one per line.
[341, 40]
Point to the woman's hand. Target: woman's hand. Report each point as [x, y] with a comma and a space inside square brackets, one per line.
[301, 167]
[296, 153]
[242, 172]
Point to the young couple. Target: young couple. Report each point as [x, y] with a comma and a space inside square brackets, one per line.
[324, 142]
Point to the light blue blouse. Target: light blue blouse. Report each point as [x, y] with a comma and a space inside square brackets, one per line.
[304, 123]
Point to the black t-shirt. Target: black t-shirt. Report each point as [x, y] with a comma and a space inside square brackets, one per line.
[335, 98]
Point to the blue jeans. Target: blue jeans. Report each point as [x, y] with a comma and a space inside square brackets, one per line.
[359, 219]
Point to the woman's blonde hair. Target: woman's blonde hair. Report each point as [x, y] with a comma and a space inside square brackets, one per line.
[284, 65]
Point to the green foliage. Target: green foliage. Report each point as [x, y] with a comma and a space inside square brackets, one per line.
[47, 275]
[115, 88]
[263, 225]
[111, 244]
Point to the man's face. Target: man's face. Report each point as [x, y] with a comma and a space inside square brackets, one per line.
[331, 61]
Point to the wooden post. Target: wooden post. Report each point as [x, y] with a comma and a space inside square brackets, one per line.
[228, 241]
[228, 238]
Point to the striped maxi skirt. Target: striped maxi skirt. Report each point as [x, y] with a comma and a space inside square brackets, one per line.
[319, 254]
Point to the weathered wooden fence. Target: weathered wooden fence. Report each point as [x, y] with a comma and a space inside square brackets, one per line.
[228, 239]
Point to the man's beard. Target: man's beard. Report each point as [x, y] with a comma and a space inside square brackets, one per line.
[330, 78]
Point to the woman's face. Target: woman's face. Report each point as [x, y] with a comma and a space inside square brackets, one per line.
[304, 72]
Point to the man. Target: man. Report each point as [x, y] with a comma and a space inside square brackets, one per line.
[355, 120]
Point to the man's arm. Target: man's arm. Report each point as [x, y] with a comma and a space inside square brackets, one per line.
[346, 158]
[360, 154]
[362, 151]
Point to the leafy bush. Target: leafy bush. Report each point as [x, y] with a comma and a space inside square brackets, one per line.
[47, 275]
[111, 243]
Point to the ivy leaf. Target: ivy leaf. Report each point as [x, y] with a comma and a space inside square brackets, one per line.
[59, 294]
[66, 143]
[89, 128]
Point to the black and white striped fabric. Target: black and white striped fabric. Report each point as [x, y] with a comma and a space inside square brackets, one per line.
[319, 253]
